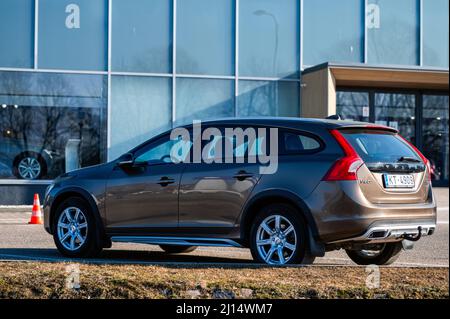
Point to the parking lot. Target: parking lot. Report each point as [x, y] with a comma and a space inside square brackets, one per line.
[20, 241]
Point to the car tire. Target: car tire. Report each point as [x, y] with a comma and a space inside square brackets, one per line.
[177, 249]
[385, 256]
[27, 159]
[290, 236]
[83, 230]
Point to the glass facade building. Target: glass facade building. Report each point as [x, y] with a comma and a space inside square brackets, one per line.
[105, 75]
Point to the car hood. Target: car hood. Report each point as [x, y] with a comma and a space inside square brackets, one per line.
[95, 171]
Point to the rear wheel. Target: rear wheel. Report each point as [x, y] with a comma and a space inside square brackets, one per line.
[279, 236]
[382, 254]
[74, 229]
[177, 249]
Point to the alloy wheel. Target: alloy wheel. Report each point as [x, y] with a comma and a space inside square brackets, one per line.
[72, 228]
[29, 168]
[276, 240]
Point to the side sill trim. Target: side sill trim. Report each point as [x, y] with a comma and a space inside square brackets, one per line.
[182, 241]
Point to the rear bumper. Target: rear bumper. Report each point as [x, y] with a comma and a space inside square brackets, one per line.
[343, 214]
[382, 233]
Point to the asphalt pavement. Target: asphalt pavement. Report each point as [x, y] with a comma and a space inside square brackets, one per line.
[20, 241]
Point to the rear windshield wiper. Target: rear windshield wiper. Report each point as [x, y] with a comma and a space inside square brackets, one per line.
[409, 159]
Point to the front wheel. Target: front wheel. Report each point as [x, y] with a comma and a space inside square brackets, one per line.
[279, 236]
[382, 254]
[74, 229]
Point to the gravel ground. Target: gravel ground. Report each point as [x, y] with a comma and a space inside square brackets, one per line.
[58, 280]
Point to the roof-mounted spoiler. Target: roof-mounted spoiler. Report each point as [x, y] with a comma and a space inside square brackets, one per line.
[334, 117]
[370, 127]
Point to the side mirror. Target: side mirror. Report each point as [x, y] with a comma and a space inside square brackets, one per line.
[126, 160]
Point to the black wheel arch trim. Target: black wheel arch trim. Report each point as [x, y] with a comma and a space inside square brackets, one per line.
[316, 248]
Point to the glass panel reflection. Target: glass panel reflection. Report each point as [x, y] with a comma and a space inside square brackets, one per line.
[205, 37]
[268, 98]
[353, 106]
[17, 33]
[435, 134]
[269, 38]
[202, 99]
[73, 36]
[435, 33]
[397, 111]
[333, 31]
[140, 109]
[142, 36]
[393, 31]
[41, 115]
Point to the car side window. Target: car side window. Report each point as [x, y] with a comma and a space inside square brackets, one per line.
[214, 144]
[294, 142]
[160, 151]
[217, 144]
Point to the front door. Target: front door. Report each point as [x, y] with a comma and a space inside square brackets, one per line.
[144, 198]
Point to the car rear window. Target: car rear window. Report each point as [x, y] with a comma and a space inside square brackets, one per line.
[375, 146]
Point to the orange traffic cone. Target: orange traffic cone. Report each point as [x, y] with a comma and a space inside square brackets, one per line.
[36, 215]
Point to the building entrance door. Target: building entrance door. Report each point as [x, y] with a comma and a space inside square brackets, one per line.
[421, 117]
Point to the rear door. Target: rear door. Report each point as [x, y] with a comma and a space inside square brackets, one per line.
[393, 172]
[213, 194]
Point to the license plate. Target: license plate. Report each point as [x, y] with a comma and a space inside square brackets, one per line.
[398, 181]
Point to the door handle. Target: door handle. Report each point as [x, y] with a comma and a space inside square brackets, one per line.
[164, 181]
[241, 175]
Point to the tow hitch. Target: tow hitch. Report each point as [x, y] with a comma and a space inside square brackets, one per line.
[408, 240]
[413, 238]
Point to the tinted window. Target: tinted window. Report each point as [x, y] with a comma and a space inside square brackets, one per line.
[160, 152]
[217, 146]
[256, 148]
[214, 148]
[297, 143]
[377, 146]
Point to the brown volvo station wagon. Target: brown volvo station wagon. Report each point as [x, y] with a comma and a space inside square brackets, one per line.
[337, 185]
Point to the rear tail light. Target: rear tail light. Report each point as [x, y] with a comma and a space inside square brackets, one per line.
[424, 159]
[345, 168]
